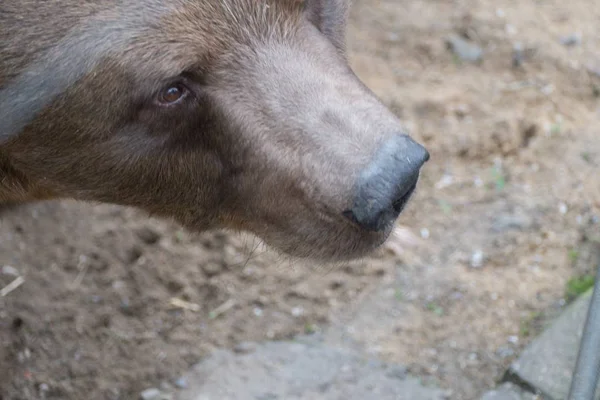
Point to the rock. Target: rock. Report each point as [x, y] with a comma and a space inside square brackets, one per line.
[465, 50]
[548, 362]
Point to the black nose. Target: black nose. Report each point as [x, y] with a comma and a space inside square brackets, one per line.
[384, 187]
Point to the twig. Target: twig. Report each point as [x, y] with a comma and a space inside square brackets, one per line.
[179, 303]
[82, 266]
[12, 286]
[79, 277]
[222, 308]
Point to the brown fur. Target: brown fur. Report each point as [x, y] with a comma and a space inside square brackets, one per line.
[271, 141]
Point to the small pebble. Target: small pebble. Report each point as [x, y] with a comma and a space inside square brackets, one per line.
[150, 394]
[181, 383]
[117, 285]
[521, 53]
[574, 64]
[477, 259]
[517, 220]
[258, 311]
[513, 339]
[562, 208]
[510, 29]
[562, 302]
[462, 110]
[457, 296]
[96, 299]
[297, 311]
[212, 268]
[393, 36]
[431, 352]
[518, 55]
[425, 233]
[8, 270]
[505, 352]
[465, 50]
[148, 235]
[571, 40]
[594, 70]
[548, 89]
[24, 355]
[446, 181]
[133, 254]
[534, 268]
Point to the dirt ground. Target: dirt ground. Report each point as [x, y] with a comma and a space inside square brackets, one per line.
[113, 302]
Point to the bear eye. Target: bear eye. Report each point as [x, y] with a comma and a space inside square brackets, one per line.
[172, 94]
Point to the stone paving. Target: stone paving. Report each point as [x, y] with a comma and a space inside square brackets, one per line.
[312, 368]
[305, 369]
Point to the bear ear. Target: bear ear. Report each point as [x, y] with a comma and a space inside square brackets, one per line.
[330, 17]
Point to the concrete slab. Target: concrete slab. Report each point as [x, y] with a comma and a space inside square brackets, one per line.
[301, 370]
[508, 391]
[547, 363]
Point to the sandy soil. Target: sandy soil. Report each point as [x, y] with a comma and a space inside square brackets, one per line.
[114, 302]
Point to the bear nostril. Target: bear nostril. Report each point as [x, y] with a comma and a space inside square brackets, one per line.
[401, 201]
